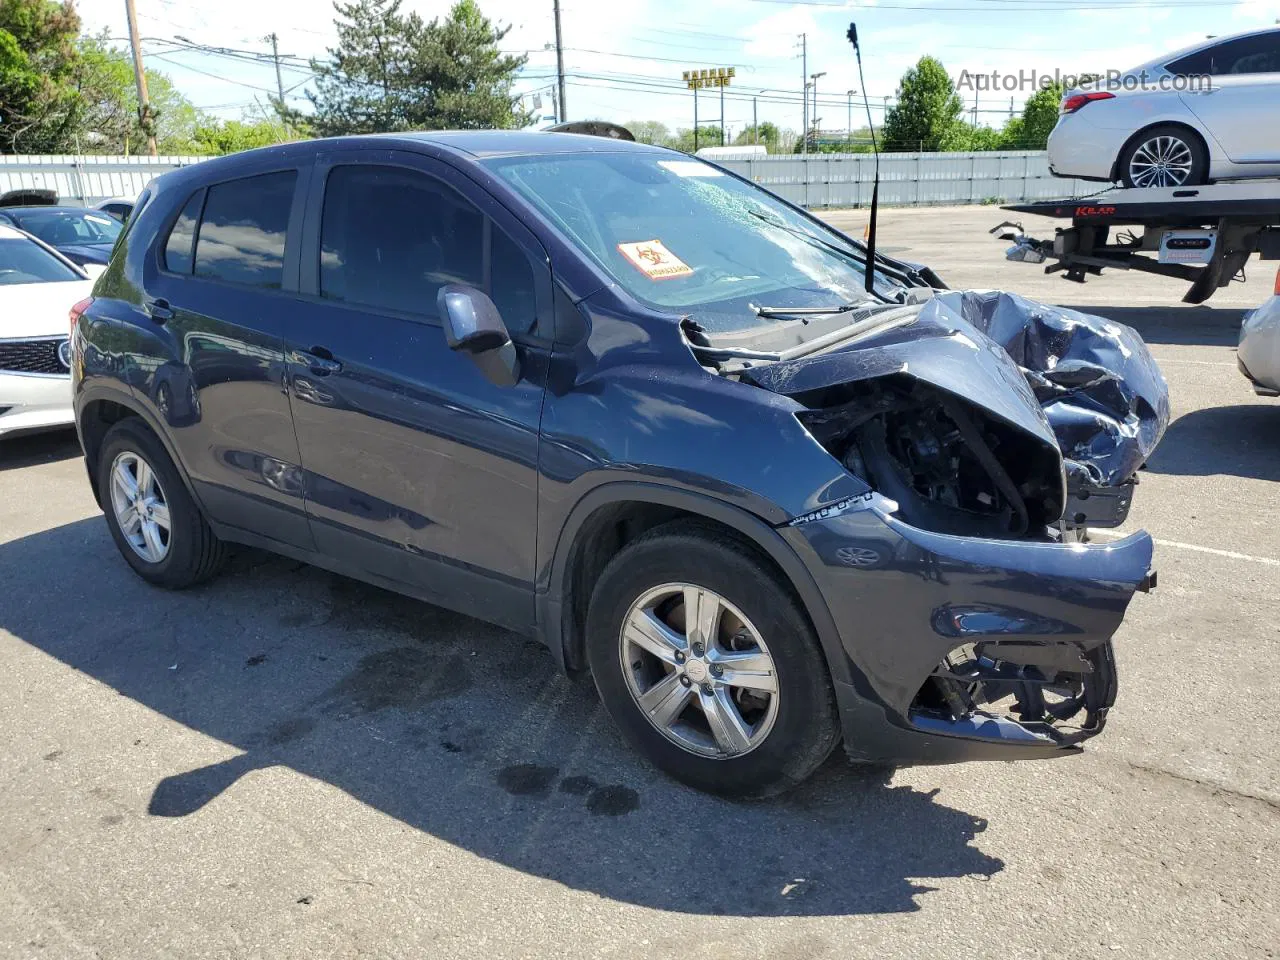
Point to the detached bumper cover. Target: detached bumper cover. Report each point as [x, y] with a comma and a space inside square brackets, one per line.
[905, 600]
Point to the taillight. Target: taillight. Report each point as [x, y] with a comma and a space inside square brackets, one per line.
[1077, 100]
[1278, 283]
[78, 311]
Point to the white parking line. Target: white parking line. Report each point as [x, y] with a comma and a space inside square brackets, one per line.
[1198, 363]
[1194, 548]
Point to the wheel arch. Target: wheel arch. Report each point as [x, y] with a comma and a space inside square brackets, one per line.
[612, 515]
[1200, 135]
[100, 410]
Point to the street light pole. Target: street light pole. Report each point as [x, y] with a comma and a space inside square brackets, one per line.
[815, 77]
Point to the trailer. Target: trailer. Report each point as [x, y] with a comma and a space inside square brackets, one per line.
[1202, 234]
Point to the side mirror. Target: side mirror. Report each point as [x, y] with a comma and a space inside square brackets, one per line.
[472, 325]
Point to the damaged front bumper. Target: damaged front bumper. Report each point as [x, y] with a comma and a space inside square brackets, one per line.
[967, 648]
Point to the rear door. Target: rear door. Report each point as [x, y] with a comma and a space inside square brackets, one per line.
[417, 468]
[220, 293]
[1240, 102]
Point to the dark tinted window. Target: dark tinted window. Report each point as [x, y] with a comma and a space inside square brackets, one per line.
[1257, 54]
[390, 238]
[241, 238]
[182, 237]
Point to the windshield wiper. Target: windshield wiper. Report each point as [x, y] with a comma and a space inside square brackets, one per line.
[781, 313]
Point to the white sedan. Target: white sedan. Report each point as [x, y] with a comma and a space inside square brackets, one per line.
[38, 288]
[1208, 112]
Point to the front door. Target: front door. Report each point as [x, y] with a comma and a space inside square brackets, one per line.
[417, 469]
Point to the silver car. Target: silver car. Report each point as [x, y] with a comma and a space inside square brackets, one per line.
[1208, 112]
[1259, 352]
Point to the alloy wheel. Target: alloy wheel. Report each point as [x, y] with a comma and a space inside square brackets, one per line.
[699, 671]
[1162, 161]
[141, 509]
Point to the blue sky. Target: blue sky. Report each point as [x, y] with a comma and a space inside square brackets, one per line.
[625, 59]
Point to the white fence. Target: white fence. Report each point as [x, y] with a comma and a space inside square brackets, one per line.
[85, 179]
[819, 180]
[909, 179]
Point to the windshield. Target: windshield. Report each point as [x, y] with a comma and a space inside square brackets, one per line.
[65, 227]
[22, 261]
[681, 235]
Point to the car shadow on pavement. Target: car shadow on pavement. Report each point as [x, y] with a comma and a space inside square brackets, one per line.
[36, 448]
[1240, 441]
[1176, 324]
[464, 731]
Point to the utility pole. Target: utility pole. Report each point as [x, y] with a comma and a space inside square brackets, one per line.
[804, 93]
[849, 121]
[560, 64]
[275, 55]
[144, 101]
[695, 119]
[755, 121]
[722, 139]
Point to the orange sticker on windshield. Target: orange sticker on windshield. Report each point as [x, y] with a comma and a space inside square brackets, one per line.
[654, 260]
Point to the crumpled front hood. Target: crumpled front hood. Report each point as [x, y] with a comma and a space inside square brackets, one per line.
[1099, 386]
[1080, 382]
[938, 347]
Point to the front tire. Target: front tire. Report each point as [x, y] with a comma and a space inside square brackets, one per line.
[705, 661]
[1165, 156]
[157, 527]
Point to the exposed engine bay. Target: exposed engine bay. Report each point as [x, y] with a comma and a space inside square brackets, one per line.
[988, 416]
[950, 467]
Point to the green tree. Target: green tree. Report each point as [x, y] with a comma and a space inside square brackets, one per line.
[1039, 117]
[768, 136]
[649, 131]
[465, 77]
[107, 120]
[708, 136]
[391, 71]
[38, 101]
[219, 137]
[927, 110]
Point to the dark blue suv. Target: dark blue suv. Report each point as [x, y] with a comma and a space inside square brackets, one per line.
[625, 402]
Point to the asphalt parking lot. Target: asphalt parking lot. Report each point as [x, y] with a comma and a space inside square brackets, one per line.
[286, 764]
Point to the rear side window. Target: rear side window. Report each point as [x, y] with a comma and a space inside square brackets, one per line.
[1245, 55]
[242, 233]
[391, 238]
[182, 236]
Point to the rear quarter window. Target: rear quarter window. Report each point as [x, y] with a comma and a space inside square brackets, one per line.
[180, 244]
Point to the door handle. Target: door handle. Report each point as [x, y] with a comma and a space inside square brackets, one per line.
[159, 310]
[318, 360]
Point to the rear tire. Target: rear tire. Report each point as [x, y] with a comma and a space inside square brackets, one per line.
[728, 732]
[1165, 156]
[155, 523]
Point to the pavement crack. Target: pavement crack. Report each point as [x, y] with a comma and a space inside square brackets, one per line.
[1210, 785]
